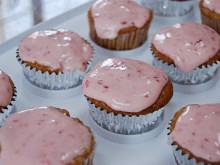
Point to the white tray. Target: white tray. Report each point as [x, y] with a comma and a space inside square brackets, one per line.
[148, 149]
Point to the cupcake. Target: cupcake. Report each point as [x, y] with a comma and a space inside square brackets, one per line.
[54, 59]
[187, 52]
[119, 25]
[7, 95]
[126, 96]
[210, 13]
[194, 135]
[45, 135]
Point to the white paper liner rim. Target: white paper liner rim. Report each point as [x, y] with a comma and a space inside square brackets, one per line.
[7, 110]
[120, 124]
[197, 76]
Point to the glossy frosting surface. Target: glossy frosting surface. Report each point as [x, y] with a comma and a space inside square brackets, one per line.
[57, 49]
[198, 130]
[125, 84]
[213, 5]
[42, 136]
[6, 90]
[188, 44]
[110, 16]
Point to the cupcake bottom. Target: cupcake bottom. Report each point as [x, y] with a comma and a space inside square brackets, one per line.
[127, 125]
[211, 22]
[197, 76]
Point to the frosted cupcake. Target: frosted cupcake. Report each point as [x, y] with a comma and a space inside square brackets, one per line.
[55, 59]
[210, 13]
[194, 134]
[126, 96]
[7, 96]
[188, 52]
[45, 135]
[119, 25]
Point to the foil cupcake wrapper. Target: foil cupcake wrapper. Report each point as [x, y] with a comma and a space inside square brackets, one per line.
[127, 125]
[8, 109]
[169, 8]
[60, 81]
[197, 76]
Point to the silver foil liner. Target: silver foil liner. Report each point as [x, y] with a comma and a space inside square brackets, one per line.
[120, 124]
[197, 76]
[169, 8]
[8, 109]
[53, 81]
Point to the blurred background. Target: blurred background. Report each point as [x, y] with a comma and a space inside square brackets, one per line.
[16, 16]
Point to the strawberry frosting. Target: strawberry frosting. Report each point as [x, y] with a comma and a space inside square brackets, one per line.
[110, 16]
[125, 84]
[198, 131]
[213, 5]
[57, 49]
[42, 136]
[187, 44]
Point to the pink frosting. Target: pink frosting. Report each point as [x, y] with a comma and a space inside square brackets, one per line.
[188, 44]
[197, 130]
[42, 136]
[58, 49]
[6, 90]
[110, 16]
[213, 5]
[125, 84]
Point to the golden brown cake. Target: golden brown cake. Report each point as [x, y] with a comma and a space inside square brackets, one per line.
[210, 13]
[46, 135]
[194, 133]
[119, 25]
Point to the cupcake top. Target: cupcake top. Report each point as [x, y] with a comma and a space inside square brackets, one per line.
[124, 84]
[110, 16]
[57, 49]
[42, 135]
[6, 89]
[197, 130]
[188, 44]
[213, 5]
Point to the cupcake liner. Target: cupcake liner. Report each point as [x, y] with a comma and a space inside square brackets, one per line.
[53, 81]
[213, 23]
[6, 111]
[197, 76]
[120, 124]
[169, 8]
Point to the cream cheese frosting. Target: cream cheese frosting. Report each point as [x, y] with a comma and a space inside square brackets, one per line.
[187, 44]
[42, 136]
[125, 84]
[57, 49]
[6, 89]
[110, 16]
[213, 5]
[198, 131]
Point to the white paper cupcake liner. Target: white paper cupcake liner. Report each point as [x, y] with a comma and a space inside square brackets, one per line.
[8, 109]
[53, 81]
[120, 124]
[197, 76]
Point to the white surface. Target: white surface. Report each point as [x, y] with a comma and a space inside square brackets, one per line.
[154, 151]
